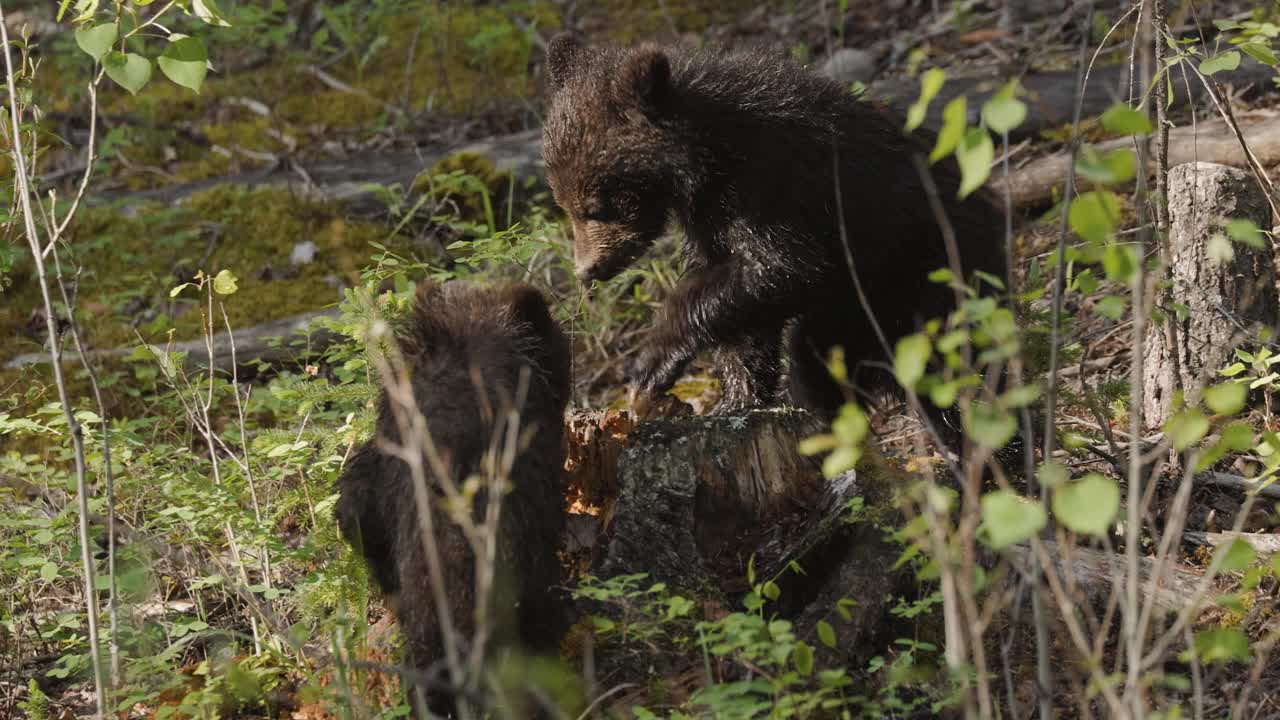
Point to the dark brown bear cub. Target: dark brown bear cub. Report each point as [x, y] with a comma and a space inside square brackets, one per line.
[470, 353]
[754, 157]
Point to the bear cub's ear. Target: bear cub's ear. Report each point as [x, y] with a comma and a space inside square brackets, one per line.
[563, 53]
[645, 77]
[528, 305]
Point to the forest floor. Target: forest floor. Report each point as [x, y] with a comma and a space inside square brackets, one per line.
[354, 113]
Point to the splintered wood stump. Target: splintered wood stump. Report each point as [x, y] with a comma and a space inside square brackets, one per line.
[701, 497]
[699, 494]
[1228, 301]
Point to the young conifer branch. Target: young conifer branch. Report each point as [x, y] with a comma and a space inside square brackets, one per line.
[23, 188]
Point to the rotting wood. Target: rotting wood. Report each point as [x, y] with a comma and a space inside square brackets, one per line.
[698, 495]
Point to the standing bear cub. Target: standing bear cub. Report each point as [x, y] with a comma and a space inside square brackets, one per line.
[471, 354]
[764, 165]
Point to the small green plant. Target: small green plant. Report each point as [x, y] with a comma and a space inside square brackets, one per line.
[36, 703]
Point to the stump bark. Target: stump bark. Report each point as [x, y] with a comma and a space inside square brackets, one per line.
[697, 495]
[1227, 301]
[702, 498]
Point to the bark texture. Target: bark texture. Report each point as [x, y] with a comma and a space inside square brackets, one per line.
[1227, 301]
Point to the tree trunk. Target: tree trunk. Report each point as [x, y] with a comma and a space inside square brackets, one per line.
[1226, 302]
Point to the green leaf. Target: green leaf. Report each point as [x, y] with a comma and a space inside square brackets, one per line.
[185, 62]
[1232, 370]
[1114, 167]
[1237, 436]
[1052, 474]
[909, 359]
[48, 572]
[1093, 215]
[803, 657]
[1086, 282]
[1246, 232]
[1004, 112]
[1260, 52]
[96, 40]
[1110, 307]
[989, 425]
[840, 460]
[1009, 519]
[207, 11]
[1124, 120]
[1020, 396]
[826, 633]
[1219, 249]
[771, 590]
[850, 426]
[1186, 428]
[1225, 399]
[975, 155]
[1235, 557]
[129, 70]
[1229, 60]
[942, 276]
[1088, 505]
[225, 283]
[836, 365]
[1222, 645]
[1119, 262]
[816, 444]
[954, 117]
[943, 394]
[930, 84]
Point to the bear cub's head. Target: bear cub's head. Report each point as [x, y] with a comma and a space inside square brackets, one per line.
[456, 326]
[614, 154]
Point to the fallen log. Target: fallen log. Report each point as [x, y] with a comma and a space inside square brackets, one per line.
[270, 342]
[1263, 544]
[349, 180]
[1211, 141]
[1052, 94]
[1096, 575]
[1239, 482]
[1051, 98]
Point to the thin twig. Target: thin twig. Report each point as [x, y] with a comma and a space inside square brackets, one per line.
[73, 425]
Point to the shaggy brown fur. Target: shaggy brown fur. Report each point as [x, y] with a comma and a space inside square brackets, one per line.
[752, 155]
[465, 349]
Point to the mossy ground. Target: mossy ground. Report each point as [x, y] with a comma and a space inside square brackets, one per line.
[128, 263]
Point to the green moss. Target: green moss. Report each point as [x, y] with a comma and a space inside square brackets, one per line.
[632, 20]
[465, 178]
[130, 262]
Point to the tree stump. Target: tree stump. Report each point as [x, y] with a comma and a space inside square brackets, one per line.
[698, 495]
[1228, 300]
[701, 498]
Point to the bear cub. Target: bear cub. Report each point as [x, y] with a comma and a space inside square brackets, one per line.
[761, 163]
[470, 353]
